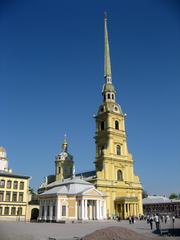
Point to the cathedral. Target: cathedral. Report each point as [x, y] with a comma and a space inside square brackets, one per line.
[114, 188]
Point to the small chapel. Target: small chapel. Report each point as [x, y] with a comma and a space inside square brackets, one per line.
[112, 189]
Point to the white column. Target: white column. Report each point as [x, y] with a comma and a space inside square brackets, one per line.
[82, 208]
[100, 215]
[40, 212]
[45, 210]
[104, 212]
[58, 209]
[51, 211]
[85, 209]
[97, 209]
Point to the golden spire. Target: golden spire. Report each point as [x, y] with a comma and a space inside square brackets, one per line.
[107, 61]
[65, 144]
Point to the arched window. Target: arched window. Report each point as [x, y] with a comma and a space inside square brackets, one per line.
[108, 96]
[101, 150]
[112, 96]
[119, 175]
[116, 125]
[102, 125]
[118, 149]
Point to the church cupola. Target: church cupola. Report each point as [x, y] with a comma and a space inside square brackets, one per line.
[64, 162]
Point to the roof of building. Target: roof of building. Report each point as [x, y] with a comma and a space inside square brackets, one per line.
[13, 175]
[158, 199]
[69, 187]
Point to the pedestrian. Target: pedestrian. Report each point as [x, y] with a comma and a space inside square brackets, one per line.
[133, 219]
[130, 220]
[173, 220]
[156, 219]
[151, 222]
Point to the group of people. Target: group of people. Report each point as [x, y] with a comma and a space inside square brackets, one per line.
[157, 219]
[131, 219]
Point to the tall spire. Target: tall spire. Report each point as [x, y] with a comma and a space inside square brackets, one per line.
[107, 61]
[65, 144]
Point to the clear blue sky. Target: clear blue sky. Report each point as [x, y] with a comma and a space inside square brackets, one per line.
[51, 77]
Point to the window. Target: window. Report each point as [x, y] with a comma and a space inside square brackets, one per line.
[102, 125]
[14, 197]
[15, 185]
[1, 196]
[1, 210]
[116, 125]
[118, 150]
[13, 211]
[19, 211]
[108, 96]
[8, 196]
[20, 197]
[2, 183]
[112, 96]
[119, 175]
[101, 151]
[21, 187]
[6, 211]
[9, 184]
[63, 211]
[59, 170]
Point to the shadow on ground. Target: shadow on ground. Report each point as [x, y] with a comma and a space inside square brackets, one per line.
[168, 231]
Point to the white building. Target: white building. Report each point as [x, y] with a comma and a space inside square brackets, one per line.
[72, 199]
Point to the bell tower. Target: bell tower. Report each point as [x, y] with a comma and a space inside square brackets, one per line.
[64, 163]
[114, 164]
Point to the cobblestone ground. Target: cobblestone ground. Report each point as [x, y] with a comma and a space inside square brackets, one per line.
[69, 231]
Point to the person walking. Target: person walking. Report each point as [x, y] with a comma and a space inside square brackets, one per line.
[156, 219]
[151, 222]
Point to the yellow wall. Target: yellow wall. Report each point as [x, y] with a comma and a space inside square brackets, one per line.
[109, 162]
[11, 203]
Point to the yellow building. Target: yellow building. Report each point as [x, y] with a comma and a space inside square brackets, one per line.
[13, 192]
[114, 175]
[114, 164]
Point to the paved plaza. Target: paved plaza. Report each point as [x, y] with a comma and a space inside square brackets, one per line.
[70, 231]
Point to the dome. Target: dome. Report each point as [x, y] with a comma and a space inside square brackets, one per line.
[2, 149]
[64, 156]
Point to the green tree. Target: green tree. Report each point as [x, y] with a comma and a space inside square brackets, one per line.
[173, 196]
[144, 194]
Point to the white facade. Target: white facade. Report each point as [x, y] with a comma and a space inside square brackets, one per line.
[75, 199]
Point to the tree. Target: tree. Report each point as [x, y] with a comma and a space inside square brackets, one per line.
[144, 194]
[173, 196]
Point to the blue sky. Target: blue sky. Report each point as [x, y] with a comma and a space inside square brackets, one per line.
[51, 77]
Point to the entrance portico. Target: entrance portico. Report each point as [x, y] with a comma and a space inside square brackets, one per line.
[91, 209]
[126, 207]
